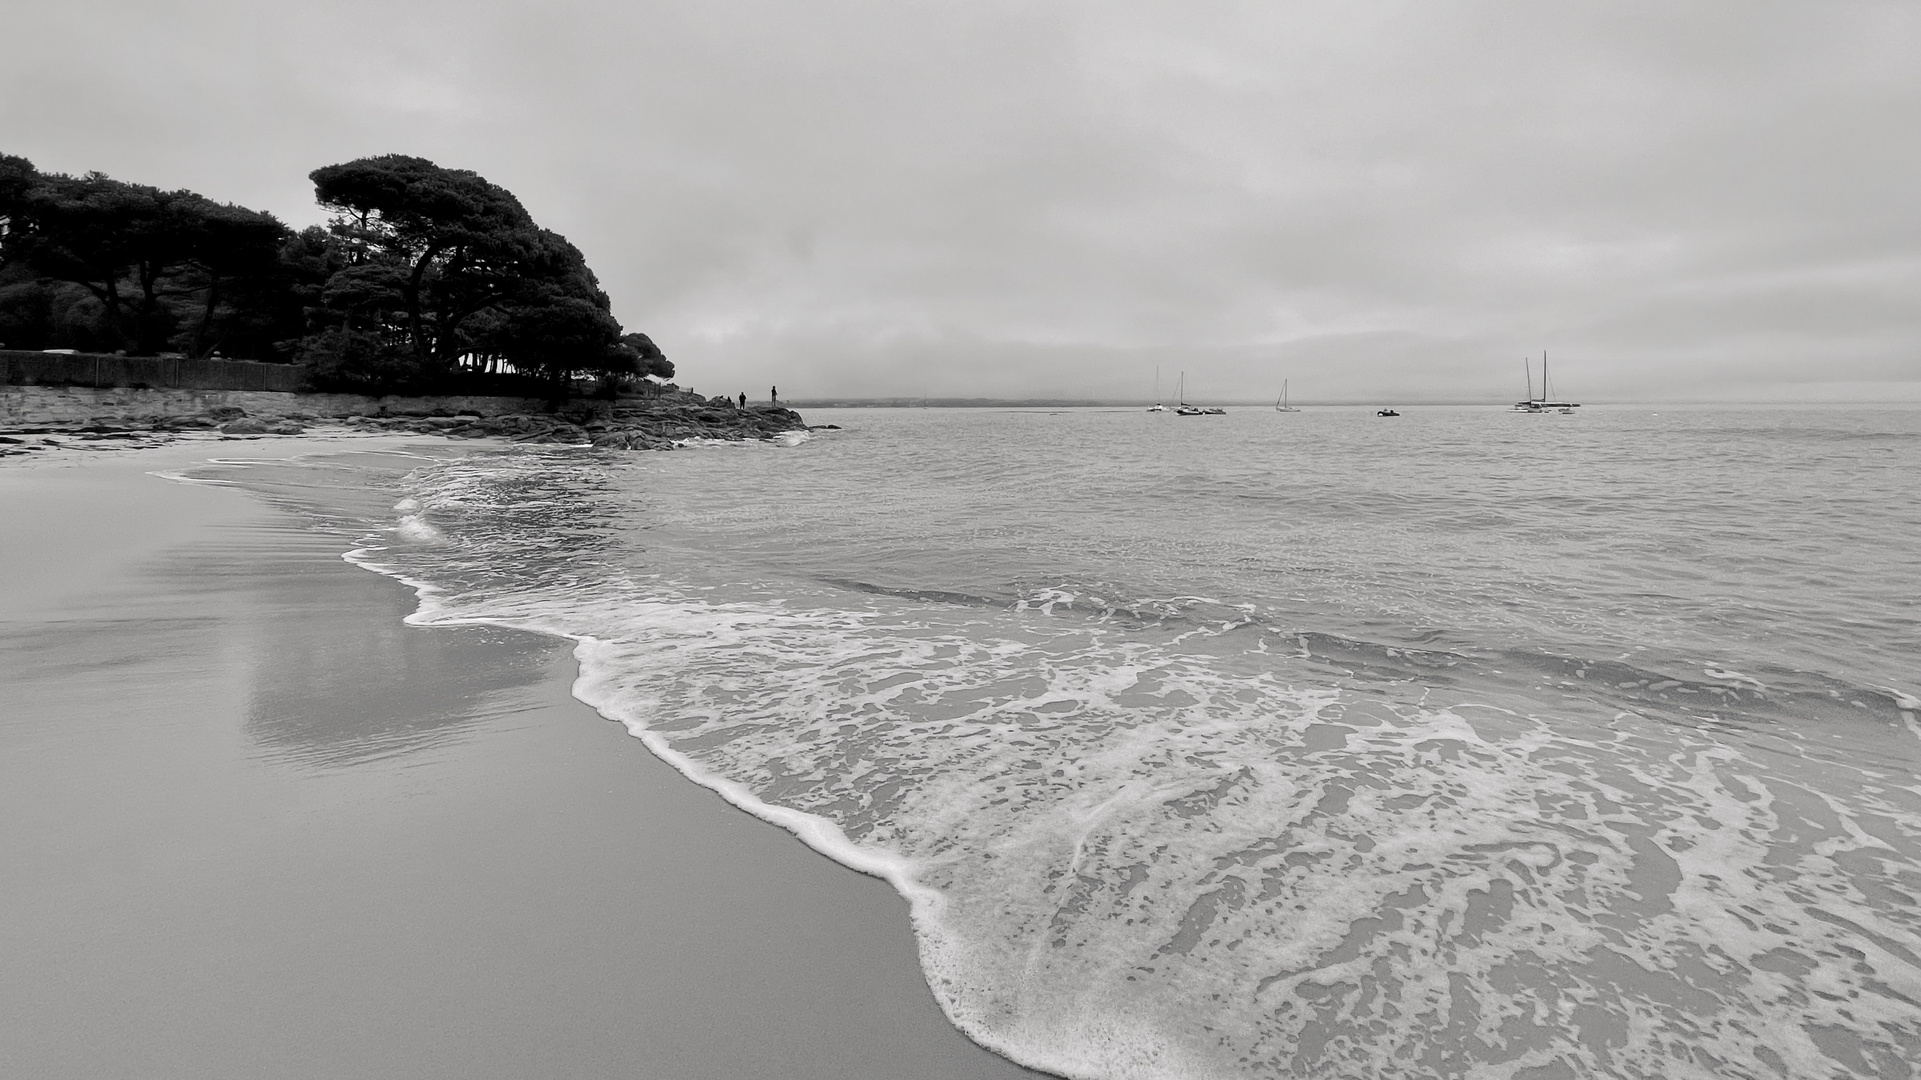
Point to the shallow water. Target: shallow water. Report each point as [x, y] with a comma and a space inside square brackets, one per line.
[1307, 744]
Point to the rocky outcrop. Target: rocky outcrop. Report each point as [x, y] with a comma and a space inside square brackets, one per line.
[657, 422]
[627, 423]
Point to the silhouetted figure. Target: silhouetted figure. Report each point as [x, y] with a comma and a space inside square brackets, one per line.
[743, 399]
[773, 395]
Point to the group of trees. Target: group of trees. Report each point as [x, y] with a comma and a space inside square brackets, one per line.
[425, 277]
[93, 263]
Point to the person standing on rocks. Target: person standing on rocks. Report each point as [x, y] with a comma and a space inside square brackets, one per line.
[773, 395]
[743, 399]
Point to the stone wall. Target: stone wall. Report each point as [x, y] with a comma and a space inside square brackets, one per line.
[21, 368]
[65, 406]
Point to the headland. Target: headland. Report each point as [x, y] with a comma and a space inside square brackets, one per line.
[110, 397]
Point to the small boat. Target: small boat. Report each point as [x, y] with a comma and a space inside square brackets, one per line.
[1184, 408]
[1157, 406]
[1280, 403]
[1542, 405]
[1385, 412]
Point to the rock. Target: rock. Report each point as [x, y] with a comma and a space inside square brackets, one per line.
[655, 422]
[631, 440]
[183, 423]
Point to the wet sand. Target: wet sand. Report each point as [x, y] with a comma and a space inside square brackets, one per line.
[255, 826]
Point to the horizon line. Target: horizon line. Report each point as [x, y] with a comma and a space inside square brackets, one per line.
[1112, 403]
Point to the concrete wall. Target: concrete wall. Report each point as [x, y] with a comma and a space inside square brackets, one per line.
[20, 368]
[59, 406]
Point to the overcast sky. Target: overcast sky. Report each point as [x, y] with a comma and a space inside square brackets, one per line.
[1375, 201]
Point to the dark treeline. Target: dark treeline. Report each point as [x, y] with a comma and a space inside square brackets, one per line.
[425, 278]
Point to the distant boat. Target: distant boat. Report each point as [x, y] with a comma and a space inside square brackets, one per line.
[1280, 403]
[1158, 407]
[1385, 412]
[1180, 395]
[1542, 405]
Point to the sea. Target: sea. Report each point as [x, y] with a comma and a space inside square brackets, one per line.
[1313, 744]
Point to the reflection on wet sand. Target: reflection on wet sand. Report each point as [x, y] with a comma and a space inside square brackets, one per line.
[412, 689]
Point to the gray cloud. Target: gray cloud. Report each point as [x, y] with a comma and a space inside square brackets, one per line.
[886, 198]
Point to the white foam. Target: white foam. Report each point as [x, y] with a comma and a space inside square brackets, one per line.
[1733, 676]
[415, 529]
[182, 478]
[1009, 801]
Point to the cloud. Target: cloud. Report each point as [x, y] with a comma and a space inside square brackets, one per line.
[855, 197]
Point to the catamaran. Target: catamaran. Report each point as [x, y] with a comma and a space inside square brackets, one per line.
[1543, 404]
[1280, 403]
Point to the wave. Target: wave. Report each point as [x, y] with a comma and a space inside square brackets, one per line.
[1128, 862]
[1652, 683]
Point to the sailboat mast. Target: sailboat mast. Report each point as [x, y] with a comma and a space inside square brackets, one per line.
[1545, 392]
[1527, 368]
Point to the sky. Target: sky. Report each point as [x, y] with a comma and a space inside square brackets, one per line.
[1394, 202]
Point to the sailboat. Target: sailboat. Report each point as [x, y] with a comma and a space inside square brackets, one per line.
[1280, 403]
[1180, 394]
[1542, 405]
[1158, 407]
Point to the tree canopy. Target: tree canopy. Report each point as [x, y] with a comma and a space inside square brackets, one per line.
[450, 270]
[647, 357]
[423, 276]
[161, 268]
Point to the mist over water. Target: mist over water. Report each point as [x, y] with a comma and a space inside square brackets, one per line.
[1285, 745]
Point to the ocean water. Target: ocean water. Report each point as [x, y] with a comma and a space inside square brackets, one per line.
[1279, 745]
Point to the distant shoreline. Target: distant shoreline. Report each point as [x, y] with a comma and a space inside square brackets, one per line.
[1347, 403]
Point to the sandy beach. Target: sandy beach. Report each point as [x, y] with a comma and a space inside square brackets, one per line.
[256, 827]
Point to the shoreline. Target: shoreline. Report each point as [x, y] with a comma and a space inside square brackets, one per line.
[148, 416]
[262, 826]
